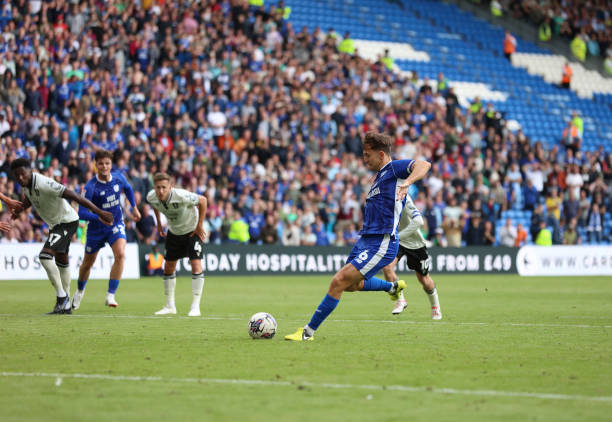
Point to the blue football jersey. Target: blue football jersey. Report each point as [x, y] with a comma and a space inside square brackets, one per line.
[382, 212]
[106, 196]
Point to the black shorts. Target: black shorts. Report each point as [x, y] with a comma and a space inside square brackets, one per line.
[183, 246]
[416, 259]
[61, 236]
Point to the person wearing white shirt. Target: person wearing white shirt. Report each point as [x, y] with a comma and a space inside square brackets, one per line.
[508, 234]
[50, 200]
[413, 247]
[217, 121]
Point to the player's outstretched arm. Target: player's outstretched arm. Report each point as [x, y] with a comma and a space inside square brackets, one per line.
[202, 206]
[12, 204]
[420, 168]
[105, 216]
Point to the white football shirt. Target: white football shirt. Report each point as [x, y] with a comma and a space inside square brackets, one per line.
[410, 235]
[46, 198]
[181, 209]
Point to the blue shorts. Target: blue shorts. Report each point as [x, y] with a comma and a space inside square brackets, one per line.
[97, 238]
[372, 253]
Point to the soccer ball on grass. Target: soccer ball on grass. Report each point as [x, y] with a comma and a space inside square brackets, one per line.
[262, 325]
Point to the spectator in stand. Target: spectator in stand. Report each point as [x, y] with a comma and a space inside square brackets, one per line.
[566, 77]
[536, 218]
[553, 212]
[239, 229]
[256, 220]
[308, 238]
[509, 45]
[508, 234]
[235, 104]
[145, 228]
[570, 235]
[544, 236]
[351, 235]
[474, 235]
[530, 195]
[269, 233]
[574, 180]
[521, 236]
[594, 227]
[488, 234]
[291, 235]
[571, 206]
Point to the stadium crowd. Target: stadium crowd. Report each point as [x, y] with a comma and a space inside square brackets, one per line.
[586, 24]
[266, 120]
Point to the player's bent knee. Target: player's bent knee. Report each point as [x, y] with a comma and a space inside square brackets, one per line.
[341, 283]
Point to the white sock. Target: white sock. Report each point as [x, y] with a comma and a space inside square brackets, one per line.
[169, 286]
[401, 296]
[53, 273]
[64, 272]
[197, 285]
[309, 331]
[433, 298]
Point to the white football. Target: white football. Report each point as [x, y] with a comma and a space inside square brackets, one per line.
[262, 325]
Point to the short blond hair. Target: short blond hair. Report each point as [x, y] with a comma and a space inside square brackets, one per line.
[160, 177]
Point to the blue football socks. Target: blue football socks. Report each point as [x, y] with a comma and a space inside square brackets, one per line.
[82, 284]
[112, 285]
[376, 284]
[326, 307]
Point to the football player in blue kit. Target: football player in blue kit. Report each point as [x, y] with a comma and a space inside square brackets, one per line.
[378, 243]
[104, 190]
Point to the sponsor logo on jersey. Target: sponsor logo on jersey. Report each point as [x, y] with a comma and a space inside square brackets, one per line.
[373, 192]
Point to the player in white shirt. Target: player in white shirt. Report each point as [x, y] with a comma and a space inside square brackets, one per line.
[412, 245]
[185, 212]
[49, 199]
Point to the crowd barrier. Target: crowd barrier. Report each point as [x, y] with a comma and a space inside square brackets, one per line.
[526, 261]
[251, 259]
[20, 261]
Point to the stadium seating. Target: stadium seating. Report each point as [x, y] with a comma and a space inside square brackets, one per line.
[431, 37]
[467, 49]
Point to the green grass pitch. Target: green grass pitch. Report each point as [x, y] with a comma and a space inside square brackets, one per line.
[508, 348]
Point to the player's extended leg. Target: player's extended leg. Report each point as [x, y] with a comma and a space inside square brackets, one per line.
[116, 271]
[46, 257]
[169, 286]
[432, 294]
[347, 279]
[391, 276]
[84, 270]
[197, 285]
[61, 260]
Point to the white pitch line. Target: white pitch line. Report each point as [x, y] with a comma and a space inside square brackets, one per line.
[402, 388]
[352, 321]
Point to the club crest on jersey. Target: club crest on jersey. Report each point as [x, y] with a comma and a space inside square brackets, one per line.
[175, 205]
[101, 192]
[116, 188]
